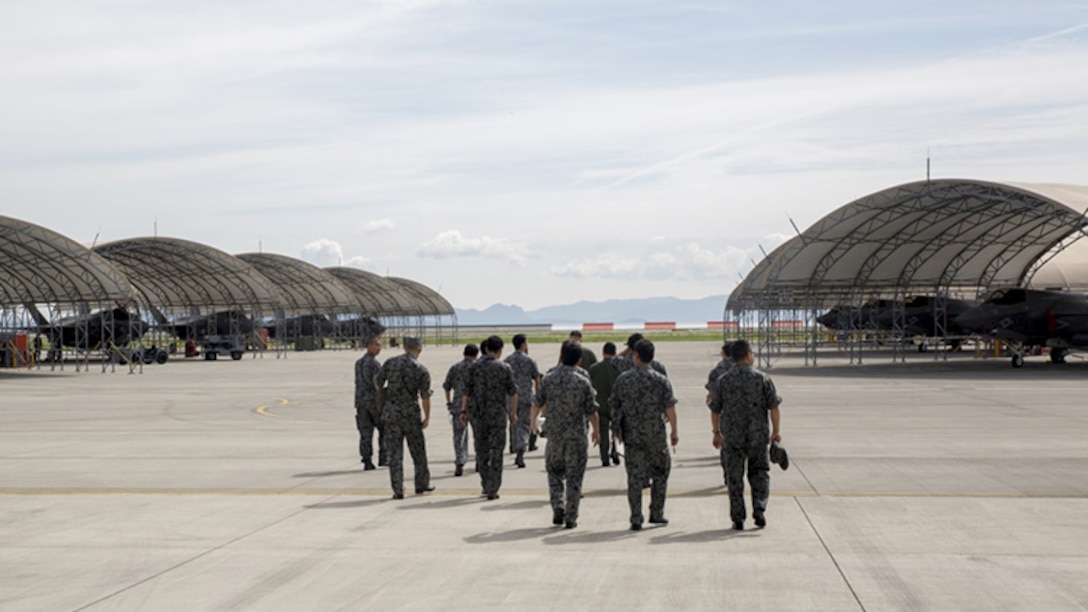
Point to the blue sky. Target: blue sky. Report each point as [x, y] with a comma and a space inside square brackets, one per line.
[529, 153]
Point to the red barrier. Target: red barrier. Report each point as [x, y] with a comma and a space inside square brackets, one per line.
[660, 325]
[598, 326]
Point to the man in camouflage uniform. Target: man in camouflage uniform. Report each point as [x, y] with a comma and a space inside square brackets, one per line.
[642, 400]
[405, 383]
[603, 375]
[741, 403]
[455, 383]
[625, 360]
[491, 401]
[367, 410]
[527, 380]
[565, 399]
[722, 367]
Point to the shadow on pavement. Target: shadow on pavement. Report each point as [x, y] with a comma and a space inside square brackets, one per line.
[358, 503]
[522, 505]
[455, 502]
[509, 536]
[323, 474]
[713, 535]
[588, 537]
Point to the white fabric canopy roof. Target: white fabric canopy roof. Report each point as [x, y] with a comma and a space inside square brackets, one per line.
[919, 237]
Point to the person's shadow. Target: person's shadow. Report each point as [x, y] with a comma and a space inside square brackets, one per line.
[588, 537]
[513, 535]
[700, 537]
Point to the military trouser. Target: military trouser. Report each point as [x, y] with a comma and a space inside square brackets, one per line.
[565, 461]
[604, 417]
[477, 441]
[725, 464]
[754, 456]
[460, 439]
[519, 431]
[366, 421]
[492, 442]
[652, 465]
[398, 431]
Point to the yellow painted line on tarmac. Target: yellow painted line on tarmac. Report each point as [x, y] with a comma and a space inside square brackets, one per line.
[511, 492]
[263, 410]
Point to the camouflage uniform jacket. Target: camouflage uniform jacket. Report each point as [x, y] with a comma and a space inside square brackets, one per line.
[489, 385]
[525, 372]
[579, 370]
[408, 381]
[723, 366]
[626, 362]
[743, 396]
[456, 378]
[366, 396]
[568, 397]
[640, 397]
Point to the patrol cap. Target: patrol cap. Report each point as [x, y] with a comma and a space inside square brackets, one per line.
[779, 455]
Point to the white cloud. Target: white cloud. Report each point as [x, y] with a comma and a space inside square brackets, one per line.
[690, 261]
[324, 253]
[379, 225]
[453, 244]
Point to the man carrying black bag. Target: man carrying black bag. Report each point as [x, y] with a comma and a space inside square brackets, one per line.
[743, 400]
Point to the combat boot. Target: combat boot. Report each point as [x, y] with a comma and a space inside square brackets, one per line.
[520, 461]
[558, 516]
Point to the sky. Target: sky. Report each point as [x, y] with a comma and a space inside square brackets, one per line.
[530, 153]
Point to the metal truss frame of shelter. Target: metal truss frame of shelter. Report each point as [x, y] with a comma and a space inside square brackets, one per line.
[52, 285]
[191, 289]
[381, 299]
[313, 299]
[432, 306]
[944, 238]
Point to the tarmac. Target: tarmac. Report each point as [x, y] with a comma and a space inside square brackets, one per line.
[930, 485]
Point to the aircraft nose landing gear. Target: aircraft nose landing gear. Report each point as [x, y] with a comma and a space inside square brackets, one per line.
[1017, 360]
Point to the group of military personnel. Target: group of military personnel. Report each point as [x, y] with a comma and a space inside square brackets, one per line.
[624, 398]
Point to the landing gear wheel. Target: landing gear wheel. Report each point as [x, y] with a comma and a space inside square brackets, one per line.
[1017, 360]
[1057, 355]
[922, 347]
[236, 355]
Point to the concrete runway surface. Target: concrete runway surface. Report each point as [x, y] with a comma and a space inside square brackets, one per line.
[932, 485]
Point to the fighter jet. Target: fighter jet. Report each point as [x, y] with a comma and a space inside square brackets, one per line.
[919, 317]
[304, 326]
[1026, 318]
[198, 327]
[110, 331]
[840, 318]
[864, 317]
[360, 328]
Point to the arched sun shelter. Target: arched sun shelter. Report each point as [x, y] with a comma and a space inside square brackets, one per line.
[196, 292]
[381, 299]
[435, 308]
[313, 299]
[55, 296]
[943, 238]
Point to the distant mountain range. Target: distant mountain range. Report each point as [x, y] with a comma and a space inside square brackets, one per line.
[640, 310]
